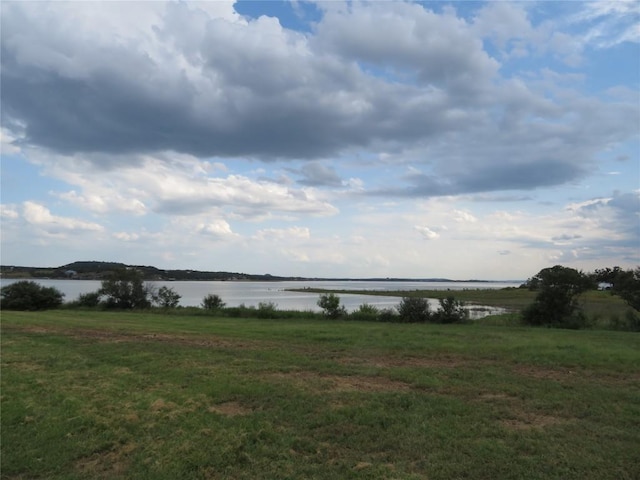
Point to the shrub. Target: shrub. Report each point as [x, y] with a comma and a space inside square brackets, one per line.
[365, 312]
[90, 300]
[414, 310]
[388, 315]
[28, 295]
[630, 322]
[235, 312]
[167, 297]
[212, 302]
[267, 310]
[330, 304]
[451, 311]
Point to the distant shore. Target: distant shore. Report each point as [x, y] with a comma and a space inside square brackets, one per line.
[94, 270]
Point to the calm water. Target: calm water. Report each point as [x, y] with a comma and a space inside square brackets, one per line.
[252, 293]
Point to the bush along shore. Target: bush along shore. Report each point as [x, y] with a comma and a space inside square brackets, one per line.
[556, 297]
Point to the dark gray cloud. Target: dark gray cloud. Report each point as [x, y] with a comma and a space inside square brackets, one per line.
[213, 88]
[621, 214]
[316, 174]
[506, 176]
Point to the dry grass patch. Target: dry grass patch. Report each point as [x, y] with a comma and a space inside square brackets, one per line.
[321, 382]
[107, 464]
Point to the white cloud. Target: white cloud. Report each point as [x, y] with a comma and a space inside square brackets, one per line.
[292, 233]
[8, 212]
[126, 237]
[463, 216]
[8, 145]
[216, 228]
[182, 186]
[426, 232]
[610, 23]
[40, 216]
[108, 201]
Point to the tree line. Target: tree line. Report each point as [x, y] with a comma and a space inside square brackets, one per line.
[556, 303]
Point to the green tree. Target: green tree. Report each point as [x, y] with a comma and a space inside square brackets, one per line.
[414, 310]
[212, 302]
[28, 295]
[330, 305]
[624, 283]
[125, 289]
[167, 297]
[556, 304]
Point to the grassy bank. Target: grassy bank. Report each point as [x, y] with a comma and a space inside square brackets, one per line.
[600, 306]
[130, 395]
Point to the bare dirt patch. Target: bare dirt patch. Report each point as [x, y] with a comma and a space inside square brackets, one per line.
[531, 421]
[341, 383]
[107, 464]
[445, 361]
[568, 374]
[491, 397]
[110, 336]
[230, 409]
[162, 405]
[560, 374]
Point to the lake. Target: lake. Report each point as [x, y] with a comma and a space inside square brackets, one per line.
[253, 293]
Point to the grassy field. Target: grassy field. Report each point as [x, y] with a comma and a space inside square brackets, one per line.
[149, 396]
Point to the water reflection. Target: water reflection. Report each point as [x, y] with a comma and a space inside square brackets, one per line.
[253, 293]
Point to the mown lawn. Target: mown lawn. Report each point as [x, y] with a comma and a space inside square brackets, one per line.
[132, 395]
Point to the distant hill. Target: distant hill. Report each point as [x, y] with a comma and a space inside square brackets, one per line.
[92, 270]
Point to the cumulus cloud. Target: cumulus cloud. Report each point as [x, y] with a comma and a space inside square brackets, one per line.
[437, 49]
[40, 216]
[168, 120]
[216, 228]
[178, 185]
[112, 90]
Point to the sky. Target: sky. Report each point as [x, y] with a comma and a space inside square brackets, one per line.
[466, 140]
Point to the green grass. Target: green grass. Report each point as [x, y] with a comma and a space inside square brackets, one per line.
[142, 395]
